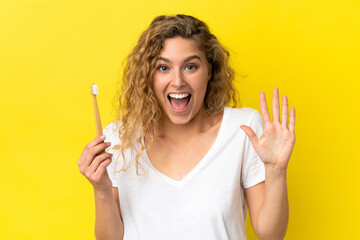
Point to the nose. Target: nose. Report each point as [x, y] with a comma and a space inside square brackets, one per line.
[178, 80]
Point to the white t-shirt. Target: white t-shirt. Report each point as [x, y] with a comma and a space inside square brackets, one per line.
[208, 203]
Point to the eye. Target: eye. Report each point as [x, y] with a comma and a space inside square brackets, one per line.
[162, 68]
[191, 67]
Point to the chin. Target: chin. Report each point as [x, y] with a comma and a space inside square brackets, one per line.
[179, 120]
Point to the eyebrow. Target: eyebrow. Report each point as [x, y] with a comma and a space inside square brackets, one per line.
[186, 59]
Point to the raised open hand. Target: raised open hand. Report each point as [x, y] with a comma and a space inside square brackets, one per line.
[277, 142]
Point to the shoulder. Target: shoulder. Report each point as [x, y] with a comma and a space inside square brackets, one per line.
[234, 118]
[243, 115]
[111, 131]
[112, 126]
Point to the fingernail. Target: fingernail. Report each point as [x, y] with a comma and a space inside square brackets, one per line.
[102, 137]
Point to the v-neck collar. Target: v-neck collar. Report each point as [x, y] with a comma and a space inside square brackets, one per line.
[200, 164]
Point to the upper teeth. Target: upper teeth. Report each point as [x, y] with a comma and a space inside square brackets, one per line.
[177, 96]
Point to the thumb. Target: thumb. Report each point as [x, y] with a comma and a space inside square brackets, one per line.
[251, 134]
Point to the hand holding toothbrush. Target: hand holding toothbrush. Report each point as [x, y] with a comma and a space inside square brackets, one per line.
[94, 160]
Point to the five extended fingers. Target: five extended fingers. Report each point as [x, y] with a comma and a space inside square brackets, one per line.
[276, 110]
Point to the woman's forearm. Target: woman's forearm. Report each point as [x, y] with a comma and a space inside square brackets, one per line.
[108, 223]
[274, 214]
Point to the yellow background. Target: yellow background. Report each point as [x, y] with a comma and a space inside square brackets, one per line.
[51, 51]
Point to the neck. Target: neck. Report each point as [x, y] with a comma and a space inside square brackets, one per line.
[182, 132]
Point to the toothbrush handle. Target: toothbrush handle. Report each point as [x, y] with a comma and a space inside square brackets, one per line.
[97, 118]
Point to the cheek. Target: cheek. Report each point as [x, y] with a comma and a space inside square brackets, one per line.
[200, 84]
[158, 88]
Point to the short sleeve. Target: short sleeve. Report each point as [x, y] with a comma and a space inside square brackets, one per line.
[253, 170]
[110, 133]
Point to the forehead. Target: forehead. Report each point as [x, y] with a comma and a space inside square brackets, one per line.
[179, 47]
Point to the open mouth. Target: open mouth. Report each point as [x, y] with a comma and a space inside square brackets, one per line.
[180, 101]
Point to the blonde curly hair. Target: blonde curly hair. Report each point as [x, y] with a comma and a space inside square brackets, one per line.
[138, 110]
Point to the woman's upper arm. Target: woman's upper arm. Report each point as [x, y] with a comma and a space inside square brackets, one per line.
[255, 197]
[115, 192]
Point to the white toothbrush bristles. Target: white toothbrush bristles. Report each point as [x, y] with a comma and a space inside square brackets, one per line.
[94, 89]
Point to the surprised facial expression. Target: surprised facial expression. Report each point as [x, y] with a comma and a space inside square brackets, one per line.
[180, 79]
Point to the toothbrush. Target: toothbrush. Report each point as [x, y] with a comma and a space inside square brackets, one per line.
[94, 92]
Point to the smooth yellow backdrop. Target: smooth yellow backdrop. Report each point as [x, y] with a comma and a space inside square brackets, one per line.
[51, 51]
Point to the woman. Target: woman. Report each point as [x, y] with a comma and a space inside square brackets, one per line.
[199, 172]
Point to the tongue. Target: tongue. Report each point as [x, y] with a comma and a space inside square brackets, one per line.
[179, 103]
